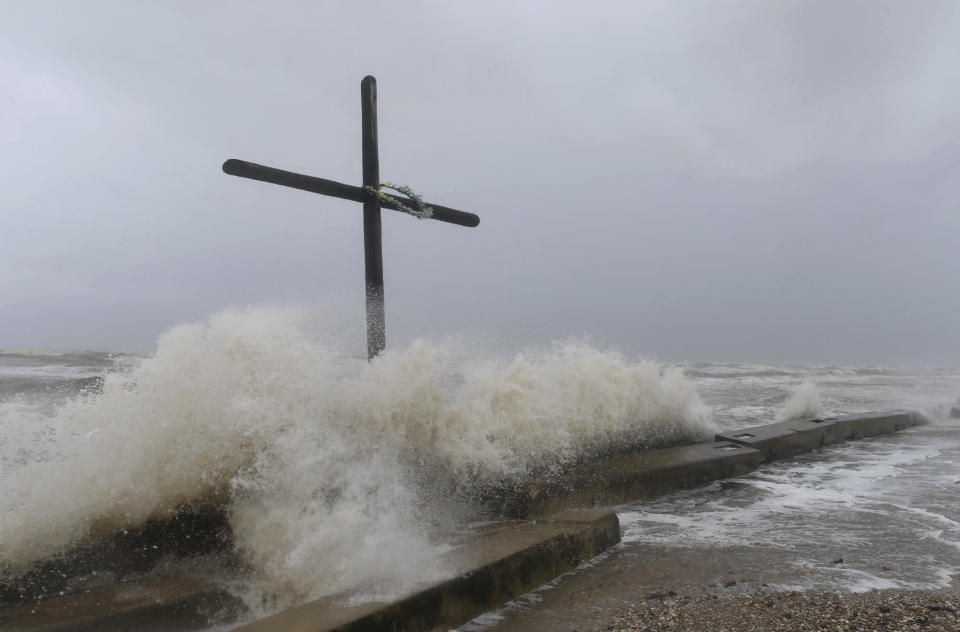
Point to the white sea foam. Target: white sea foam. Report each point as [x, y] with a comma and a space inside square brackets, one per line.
[804, 403]
[879, 504]
[337, 474]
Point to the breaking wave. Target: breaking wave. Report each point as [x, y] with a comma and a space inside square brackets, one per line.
[804, 403]
[335, 473]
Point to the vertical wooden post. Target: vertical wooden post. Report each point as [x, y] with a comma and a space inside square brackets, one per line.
[372, 241]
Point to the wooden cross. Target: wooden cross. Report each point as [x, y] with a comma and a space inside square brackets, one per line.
[372, 246]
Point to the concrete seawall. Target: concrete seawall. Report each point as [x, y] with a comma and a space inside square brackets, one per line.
[498, 562]
[633, 477]
[790, 438]
[492, 570]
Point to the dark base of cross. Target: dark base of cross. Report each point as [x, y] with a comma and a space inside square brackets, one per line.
[372, 241]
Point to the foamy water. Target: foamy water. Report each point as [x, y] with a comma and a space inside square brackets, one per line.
[338, 474]
[804, 403]
[886, 507]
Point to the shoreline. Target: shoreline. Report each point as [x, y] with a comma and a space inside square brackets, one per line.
[636, 585]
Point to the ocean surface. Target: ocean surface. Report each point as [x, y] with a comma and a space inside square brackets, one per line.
[342, 475]
[870, 514]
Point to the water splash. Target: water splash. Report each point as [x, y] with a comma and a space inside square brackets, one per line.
[804, 403]
[336, 473]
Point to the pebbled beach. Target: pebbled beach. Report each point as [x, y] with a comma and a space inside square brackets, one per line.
[892, 611]
[649, 587]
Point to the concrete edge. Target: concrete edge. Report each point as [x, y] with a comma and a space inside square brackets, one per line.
[784, 439]
[860, 426]
[507, 566]
[790, 438]
[492, 568]
[156, 603]
[129, 554]
[628, 477]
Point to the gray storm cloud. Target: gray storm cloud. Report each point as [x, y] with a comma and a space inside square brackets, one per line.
[705, 180]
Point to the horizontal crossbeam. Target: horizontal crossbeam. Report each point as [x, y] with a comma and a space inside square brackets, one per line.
[332, 188]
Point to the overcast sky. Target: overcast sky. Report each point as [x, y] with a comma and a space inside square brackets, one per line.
[759, 181]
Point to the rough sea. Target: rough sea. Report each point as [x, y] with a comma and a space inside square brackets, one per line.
[342, 475]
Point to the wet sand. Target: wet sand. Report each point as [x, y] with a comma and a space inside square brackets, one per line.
[643, 587]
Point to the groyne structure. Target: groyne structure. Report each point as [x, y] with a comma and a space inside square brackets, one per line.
[549, 527]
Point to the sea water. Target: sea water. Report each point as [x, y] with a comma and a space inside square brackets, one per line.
[861, 515]
[336, 474]
[343, 475]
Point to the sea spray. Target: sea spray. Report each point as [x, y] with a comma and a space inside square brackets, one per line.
[171, 431]
[804, 403]
[336, 474]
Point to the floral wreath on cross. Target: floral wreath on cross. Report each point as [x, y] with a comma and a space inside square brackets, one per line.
[419, 209]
